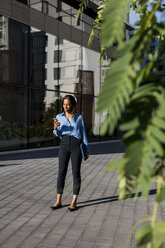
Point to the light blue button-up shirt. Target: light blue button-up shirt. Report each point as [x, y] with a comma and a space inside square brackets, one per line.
[75, 127]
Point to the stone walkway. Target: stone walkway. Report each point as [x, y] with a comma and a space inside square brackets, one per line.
[28, 189]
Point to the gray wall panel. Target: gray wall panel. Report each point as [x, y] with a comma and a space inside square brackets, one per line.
[64, 31]
[76, 36]
[95, 45]
[5, 7]
[51, 25]
[85, 38]
[37, 19]
[20, 12]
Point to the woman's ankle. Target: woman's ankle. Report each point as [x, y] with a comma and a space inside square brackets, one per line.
[57, 203]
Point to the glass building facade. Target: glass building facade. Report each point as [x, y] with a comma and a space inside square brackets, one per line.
[38, 66]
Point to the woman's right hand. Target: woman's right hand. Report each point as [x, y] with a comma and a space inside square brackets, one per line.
[56, 123]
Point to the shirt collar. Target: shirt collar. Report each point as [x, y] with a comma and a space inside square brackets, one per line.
[63, 114]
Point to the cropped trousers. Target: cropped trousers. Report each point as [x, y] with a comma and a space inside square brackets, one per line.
[69, 149]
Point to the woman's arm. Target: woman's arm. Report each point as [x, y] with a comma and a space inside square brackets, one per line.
[84, 136]
[57, 129]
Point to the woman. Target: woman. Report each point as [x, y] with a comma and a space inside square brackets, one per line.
[69, 126]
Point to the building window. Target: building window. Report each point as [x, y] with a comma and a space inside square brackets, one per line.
[46, 57]
[46, 40]
[22, 1]
[46, 76]
[57, 56]
[2, 32]
[57, 73]
[57, 89]
[58, 41]
[78, 21]
[59, 18]
[59, 6]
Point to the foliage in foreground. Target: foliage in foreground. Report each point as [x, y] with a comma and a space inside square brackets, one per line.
[135, 94]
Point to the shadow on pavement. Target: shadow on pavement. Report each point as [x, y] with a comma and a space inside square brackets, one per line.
[5, 165]
[109, 199]
[107, 147]
[98, 201]
[30, 154]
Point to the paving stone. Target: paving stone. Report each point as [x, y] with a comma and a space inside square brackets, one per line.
[28, 189]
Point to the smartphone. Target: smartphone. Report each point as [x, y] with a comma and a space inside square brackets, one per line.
[57, 120]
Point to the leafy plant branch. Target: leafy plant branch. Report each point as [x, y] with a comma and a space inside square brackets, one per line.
[134, 93]
[83, 4]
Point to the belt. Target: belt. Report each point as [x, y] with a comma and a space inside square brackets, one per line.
[67, 135]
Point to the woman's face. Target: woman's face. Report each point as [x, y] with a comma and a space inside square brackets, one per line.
[67, 106]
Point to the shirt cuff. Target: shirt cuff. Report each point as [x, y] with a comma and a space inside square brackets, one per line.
[55, 132]
[87, 148]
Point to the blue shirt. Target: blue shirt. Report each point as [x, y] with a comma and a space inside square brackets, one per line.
[75, 127]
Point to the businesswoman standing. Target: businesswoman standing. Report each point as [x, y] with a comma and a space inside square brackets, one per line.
[69, 126]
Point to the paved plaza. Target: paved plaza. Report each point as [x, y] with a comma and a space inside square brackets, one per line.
[28, 189]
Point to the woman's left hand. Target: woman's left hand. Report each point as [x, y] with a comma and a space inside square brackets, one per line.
[87, 155]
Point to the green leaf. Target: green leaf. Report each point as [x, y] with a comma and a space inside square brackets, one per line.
[130, 125]
[126, 48]
[158, 244]
[144, 184]
[144, 235]
[134, 153]
[159, 135]
[113, 25]
[160, 231]
[105, 126]
[97, 25]
[117, 163]
[161, 111]
[159, 122]
[129, 134]
[117, 85]
[82, 4]
[145, 91]
[161, 197]
[156, 146]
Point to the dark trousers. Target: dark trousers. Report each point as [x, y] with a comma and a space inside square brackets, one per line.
[69, 148]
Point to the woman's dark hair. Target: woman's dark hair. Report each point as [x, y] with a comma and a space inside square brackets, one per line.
[72, 102]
